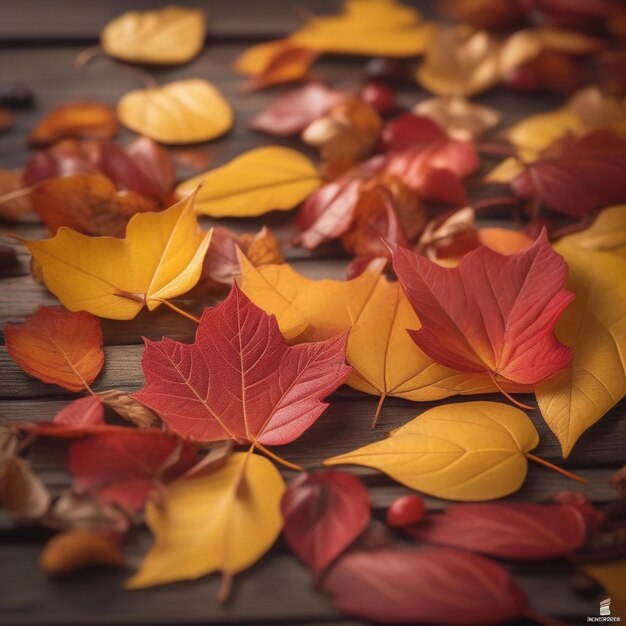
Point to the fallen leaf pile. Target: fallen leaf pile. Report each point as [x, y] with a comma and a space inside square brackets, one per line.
[438, 302]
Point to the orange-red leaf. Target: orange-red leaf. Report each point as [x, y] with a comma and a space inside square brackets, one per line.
[58, 347]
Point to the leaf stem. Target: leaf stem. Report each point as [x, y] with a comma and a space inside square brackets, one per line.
[18, 193]
[278, 459]
[488, 203]
[383, 396]
[508, 396]
[556, 468]
[226, 586]
[189, 316]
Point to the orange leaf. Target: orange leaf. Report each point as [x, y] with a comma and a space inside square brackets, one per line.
[58, 347]
[78, 119]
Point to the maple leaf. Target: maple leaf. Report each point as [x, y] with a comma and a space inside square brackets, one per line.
[509, 530]
[115, 278]
[239, 380]
[168, 36]
[125, 465]
[257, 181]
[493, 313]
[323, 513]
[58, 347]
[468, 451]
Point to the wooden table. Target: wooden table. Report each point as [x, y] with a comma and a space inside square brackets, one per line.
[38, 42]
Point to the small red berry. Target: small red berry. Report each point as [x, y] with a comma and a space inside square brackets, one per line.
[405, 511]
[379, 96]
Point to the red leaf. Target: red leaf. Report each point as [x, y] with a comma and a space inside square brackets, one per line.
[516, 530]
[324, 512]
[239, 380]
[437, 586]
[78, 418]
[294, 110]
[577, 176]
[126, 465]
[492, 312]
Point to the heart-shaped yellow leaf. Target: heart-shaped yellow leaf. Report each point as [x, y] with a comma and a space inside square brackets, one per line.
[469, 451]
[594, 326]
[254, 183]
[160, 258]
[185, 111]
[167, 36]
[224, 522]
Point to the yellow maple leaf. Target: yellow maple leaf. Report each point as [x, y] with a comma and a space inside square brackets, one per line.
[224, 522]
[468, 451]
[168, 36]
[160, 258]
[594, 326]
[254, 183]
[185, 111]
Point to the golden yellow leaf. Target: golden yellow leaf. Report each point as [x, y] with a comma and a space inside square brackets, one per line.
[160, 258]
[386, 361]
[185, 111]
[254, 183]
[607, 233]
[612, 576]
[506, 171]
[467, 451]
[593, 326]
[368, 27]
[168, 36]
[224, 522]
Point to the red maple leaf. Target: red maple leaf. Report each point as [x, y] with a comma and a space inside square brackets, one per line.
[239, 380]
[493, 312]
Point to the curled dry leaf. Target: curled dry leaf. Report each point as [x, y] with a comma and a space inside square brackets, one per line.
[258, 181]
[127, 407]
[78, 119]
[467, 451]
[185, 111]
[437, 586]
[74, 550]
[16, 206]
[87, 203]
[167, 36]
[232, 516]
[323, 513]
[493, 313]
[58, 347]
[22, 493]
[116, 278]
[508, 530]
[239, 380]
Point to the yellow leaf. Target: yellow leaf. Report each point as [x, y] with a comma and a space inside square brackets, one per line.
[506, 171]
[224, 522]
[368, 27]
[607, 233]
[160, 258]
[386, 361]
[468, 451]
[185, 111]
[593, 326]
[612, 576]
[254, 183]
[168, 36]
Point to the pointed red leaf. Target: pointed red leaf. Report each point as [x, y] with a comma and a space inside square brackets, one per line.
[126, 465]
[78, 418]
[239, 380]
[324, 512]
[577, 176]
[436, 586]
[492, 312]
[510, 530]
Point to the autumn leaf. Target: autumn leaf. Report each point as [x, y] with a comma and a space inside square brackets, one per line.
[58, 347]
[239, 380]
[470, 451]
[87, 203]
[508, 530]
[15, 206]
[78, 418]
[115, 278]
[232, 515]
[323, 513]
[128, 408]
[593, 328]
[126, 465]
[168, 36]
[78, 119]
[424, 586]
[258, 181]
[185, 111]
[493, 313]
[22, 493]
